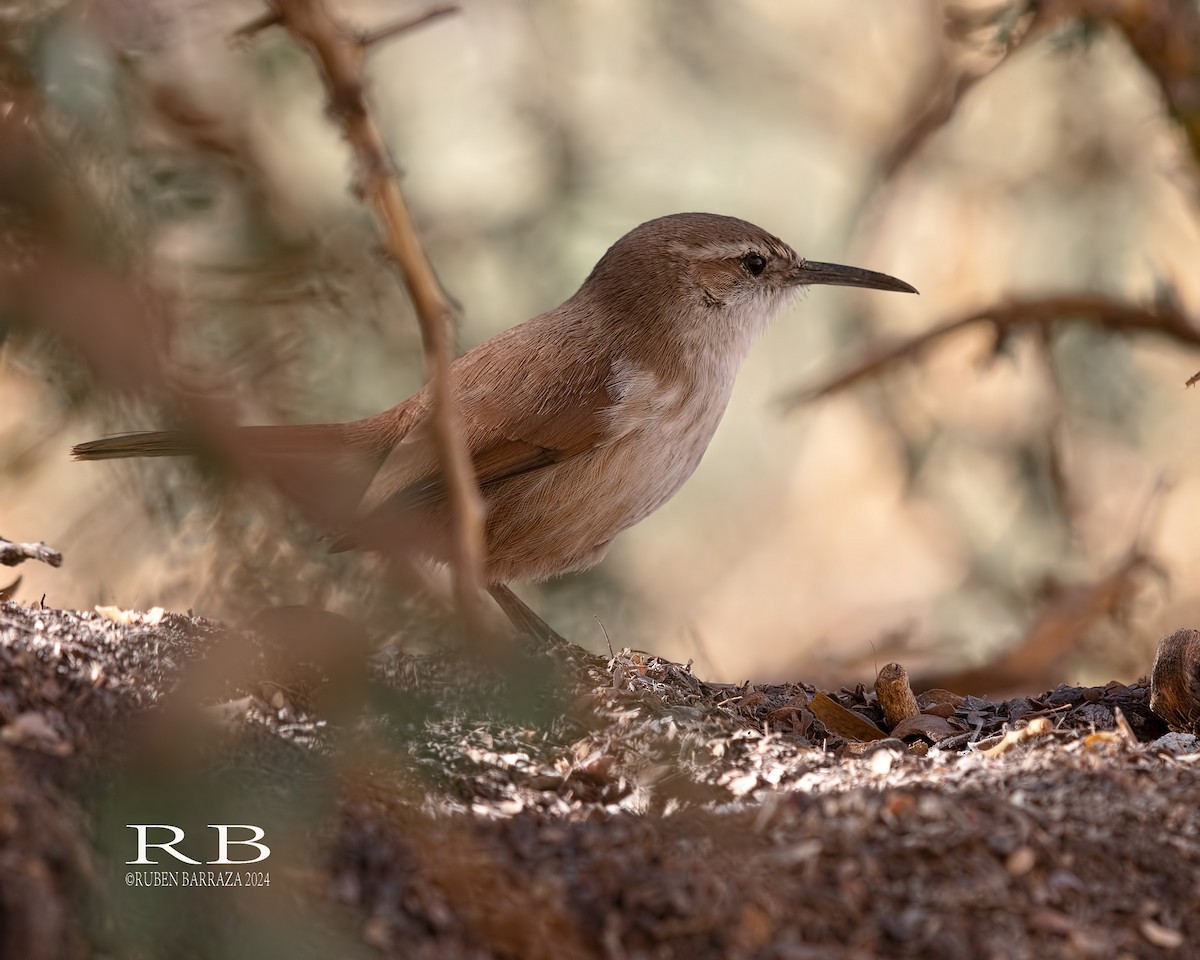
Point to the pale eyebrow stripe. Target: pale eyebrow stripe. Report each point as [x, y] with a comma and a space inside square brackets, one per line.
[719, 250]
[715, 250]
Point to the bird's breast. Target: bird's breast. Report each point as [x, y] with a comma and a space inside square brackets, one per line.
[565, 517]
[661, 427]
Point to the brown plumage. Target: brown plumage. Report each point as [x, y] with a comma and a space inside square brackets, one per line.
[581, 421]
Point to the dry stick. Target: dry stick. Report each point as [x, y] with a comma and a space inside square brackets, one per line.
[1097, 310]
[273, 18]
[1037, 727]
[339, 54]
[260, 23]
[379, 34]
[13, 553]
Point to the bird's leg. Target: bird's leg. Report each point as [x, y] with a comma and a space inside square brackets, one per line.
[522, 616]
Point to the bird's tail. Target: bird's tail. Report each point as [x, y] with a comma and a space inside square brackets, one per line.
[157, 443]
[300, 439]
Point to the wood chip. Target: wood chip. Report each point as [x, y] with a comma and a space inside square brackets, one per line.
[896, 698]
[150, 618]
[1161, 936]
[1037, 727]
[1020, 861]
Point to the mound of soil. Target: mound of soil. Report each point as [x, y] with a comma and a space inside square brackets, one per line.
[556, 804]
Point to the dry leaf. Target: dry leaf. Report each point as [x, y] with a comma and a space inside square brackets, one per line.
[842, 722]
[927, 725]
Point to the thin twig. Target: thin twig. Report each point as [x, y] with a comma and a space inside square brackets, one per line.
[339, 55]
[1147, 524]
[260, 23]
[607, 639]
[1095, 309]
[380, 34]
[1055, 431]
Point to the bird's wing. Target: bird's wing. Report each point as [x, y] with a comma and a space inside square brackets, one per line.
[513, 422]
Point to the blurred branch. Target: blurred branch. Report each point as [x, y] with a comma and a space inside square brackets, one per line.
[1055, 428]
[274, 18]
[339, 54]
[13, 553]
[1053, 635]
[119, 325]
[1163, 34]
[260, 23]
[1165, 319]
[1165, 37]
[1070, 611]
[937, 102]
[386, 32]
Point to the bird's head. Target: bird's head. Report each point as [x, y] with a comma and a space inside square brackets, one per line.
[705, 277]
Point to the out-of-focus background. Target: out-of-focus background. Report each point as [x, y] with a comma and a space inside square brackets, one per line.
[938, 511]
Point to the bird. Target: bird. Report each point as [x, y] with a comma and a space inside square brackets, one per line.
[580, 422]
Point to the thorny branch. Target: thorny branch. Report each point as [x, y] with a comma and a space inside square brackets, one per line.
[1165, 319]
[339, 53]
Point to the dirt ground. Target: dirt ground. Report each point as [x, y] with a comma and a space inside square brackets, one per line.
[558, 805]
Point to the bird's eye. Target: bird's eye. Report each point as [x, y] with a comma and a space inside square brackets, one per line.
[754, 263]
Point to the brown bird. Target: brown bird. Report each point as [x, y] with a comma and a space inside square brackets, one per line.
[581, 421]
